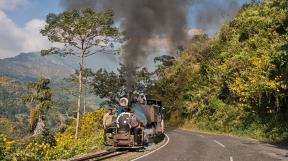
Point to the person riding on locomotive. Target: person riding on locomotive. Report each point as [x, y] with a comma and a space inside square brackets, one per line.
[107, 123]
[135, 126]
[137, 123]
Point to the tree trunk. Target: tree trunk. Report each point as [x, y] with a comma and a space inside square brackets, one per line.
[84, 99]
[80, 93]
[39, 127]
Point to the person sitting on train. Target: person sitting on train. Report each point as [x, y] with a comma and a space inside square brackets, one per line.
[143, 97]
[134, 125]
[107, 123]
[139, 99]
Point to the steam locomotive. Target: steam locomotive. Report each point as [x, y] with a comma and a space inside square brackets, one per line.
[149, 113]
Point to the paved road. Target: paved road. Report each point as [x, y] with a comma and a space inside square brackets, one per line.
[194, 146]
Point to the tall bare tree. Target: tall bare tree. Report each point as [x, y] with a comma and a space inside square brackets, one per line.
[87, 75]
[83, 33]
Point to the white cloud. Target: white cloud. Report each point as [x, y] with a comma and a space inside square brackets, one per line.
[34, 41]
[12, 4]
[14, 39]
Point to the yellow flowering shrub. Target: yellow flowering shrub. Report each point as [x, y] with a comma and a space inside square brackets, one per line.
[32, 151]
[90, 138]
[3, 146]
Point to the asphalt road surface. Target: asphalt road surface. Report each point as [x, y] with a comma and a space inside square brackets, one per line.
[194, 146]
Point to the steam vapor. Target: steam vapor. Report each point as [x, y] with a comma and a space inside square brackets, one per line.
[143, 20]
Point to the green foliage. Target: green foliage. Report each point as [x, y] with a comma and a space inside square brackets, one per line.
[79, 29]
[144, 80]
[83, 32]
[46, 138]
[41, 94]
[11, 106]
[2, 147]
[61, 145]
[164, 61]
[13, 111]
[87, 73]
[90, 137]
[106, 84]
[237, 82]
[111, 85]
[73, 84]
[13, 129]
[183, 81]
[40, 97]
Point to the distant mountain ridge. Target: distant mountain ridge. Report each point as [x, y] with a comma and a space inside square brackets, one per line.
[30, 66]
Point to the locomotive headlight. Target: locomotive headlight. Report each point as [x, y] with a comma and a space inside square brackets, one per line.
[122, 119]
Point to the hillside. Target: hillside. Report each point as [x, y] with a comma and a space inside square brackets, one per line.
[30, 66]
[16, 72]
[236, 82]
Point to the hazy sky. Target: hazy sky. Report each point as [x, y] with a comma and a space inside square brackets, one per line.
[21, 20]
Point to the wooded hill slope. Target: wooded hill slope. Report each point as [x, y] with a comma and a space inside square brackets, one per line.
[236, 82]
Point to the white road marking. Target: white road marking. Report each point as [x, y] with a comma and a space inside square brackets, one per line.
[219, 143]
[231, 158]
[168, 139]
[201, 136]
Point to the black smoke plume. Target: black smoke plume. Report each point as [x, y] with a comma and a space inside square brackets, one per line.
[144, 20]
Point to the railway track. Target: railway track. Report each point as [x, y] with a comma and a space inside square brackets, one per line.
[101, 156]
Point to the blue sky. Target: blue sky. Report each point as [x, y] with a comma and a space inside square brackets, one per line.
[21, 21]
[38, 9]
[33, 9]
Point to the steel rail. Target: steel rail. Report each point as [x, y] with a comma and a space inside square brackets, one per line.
[110, 155]
[100, 156]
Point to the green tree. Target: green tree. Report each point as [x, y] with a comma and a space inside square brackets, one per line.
[73, 81]
[111, 85]
[108, 85]
[11, 106]
[39, 97]
[237, 81]
[83, 32]
[163, 62]
[144, 80]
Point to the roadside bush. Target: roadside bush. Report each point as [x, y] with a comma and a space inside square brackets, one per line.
[62, 145]
[90, 137]
[2, 147]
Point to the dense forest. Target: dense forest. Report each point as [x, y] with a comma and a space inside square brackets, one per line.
[235, 82]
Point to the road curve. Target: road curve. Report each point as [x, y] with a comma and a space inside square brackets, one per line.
[194, 146]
